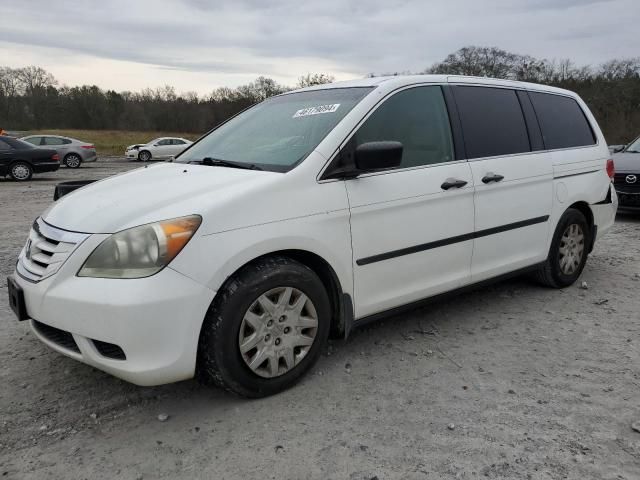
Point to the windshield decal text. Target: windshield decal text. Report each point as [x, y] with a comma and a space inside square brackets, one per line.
[304, 112]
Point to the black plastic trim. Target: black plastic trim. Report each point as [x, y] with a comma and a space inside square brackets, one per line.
[575, 174]
[531, 120]
[428, 300]
[61, 338]
[454, 121]
[449, 241]
[607, 198]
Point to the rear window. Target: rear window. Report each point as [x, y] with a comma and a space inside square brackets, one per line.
[562, 121]
[492, 121]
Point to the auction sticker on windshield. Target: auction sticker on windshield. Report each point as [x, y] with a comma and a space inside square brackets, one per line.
[304, 112]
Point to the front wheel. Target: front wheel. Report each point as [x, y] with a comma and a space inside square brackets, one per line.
[21, 171]
[72, 161]
[265, 329]
[568, 252]
[144, 156]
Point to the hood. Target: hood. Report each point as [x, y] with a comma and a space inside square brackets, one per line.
[627, 162]
[149, 194]
[137, 145]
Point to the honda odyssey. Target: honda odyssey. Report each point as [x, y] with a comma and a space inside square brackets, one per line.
[310, 214]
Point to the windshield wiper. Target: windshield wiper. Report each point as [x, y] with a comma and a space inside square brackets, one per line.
[218, 162]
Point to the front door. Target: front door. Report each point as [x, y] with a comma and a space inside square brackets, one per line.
[411, 226]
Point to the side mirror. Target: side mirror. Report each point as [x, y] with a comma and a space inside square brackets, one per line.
[378, 155]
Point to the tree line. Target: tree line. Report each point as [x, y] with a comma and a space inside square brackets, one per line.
[31, 98]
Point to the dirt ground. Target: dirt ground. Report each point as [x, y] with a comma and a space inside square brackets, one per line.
[510, 381]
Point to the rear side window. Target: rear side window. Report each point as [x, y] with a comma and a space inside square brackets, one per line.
[416, 117]
[562, 121]
[54, 141]
[492, 121]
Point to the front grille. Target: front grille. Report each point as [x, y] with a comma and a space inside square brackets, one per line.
[624, 182]
[61, 338]
[46, 250]
[109, 350]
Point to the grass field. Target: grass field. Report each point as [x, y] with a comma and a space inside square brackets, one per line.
[112, 142]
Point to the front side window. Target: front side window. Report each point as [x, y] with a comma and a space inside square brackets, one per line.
[280, 132]
[34, 140]
[417, 118]
[562, 121]
[166, 141]
[492, 121]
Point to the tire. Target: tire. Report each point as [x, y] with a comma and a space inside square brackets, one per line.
[221, 359]
[563, 265]
[20, 171]
[144, 156]
[73, 160]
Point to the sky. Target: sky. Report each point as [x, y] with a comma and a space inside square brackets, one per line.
[199, 45]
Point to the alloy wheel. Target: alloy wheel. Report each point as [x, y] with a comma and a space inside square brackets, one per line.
[20, 172]
[72, 161]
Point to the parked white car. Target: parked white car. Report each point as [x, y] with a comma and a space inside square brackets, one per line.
[157, 149]
[310, 214]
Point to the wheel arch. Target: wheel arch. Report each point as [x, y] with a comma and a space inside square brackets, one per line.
[585, 209]
[77, 154]
[341, 303]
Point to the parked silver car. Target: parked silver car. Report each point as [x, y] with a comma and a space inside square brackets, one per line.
[73, 152]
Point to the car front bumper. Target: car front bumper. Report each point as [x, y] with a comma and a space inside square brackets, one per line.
[155, 321]
[628, 201]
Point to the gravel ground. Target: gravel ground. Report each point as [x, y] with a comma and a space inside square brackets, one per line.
[510, 381]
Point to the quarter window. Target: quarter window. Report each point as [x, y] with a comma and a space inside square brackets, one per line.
[492, 121]
[562, 121]
[417, 118]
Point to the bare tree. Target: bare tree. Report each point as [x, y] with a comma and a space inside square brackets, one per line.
[311, 79]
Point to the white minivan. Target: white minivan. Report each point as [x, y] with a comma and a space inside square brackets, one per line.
[309, 214]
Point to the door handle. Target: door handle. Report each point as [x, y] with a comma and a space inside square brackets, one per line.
[452, 183]
[492, 178]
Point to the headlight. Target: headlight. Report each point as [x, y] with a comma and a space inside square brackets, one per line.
[140, 251]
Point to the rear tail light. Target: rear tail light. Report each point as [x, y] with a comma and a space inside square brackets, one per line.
[89, 147]
[55, 157]
[611, 169]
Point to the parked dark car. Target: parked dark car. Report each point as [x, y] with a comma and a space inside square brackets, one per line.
[20, 160]
[627, 178]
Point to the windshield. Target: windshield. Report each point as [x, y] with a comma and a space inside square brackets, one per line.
[634, 147]
[278, 133]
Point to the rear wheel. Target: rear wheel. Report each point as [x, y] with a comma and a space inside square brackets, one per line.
[568, 252]
[73, 160]
[265, 328]
[144, 156]
[21, 171]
